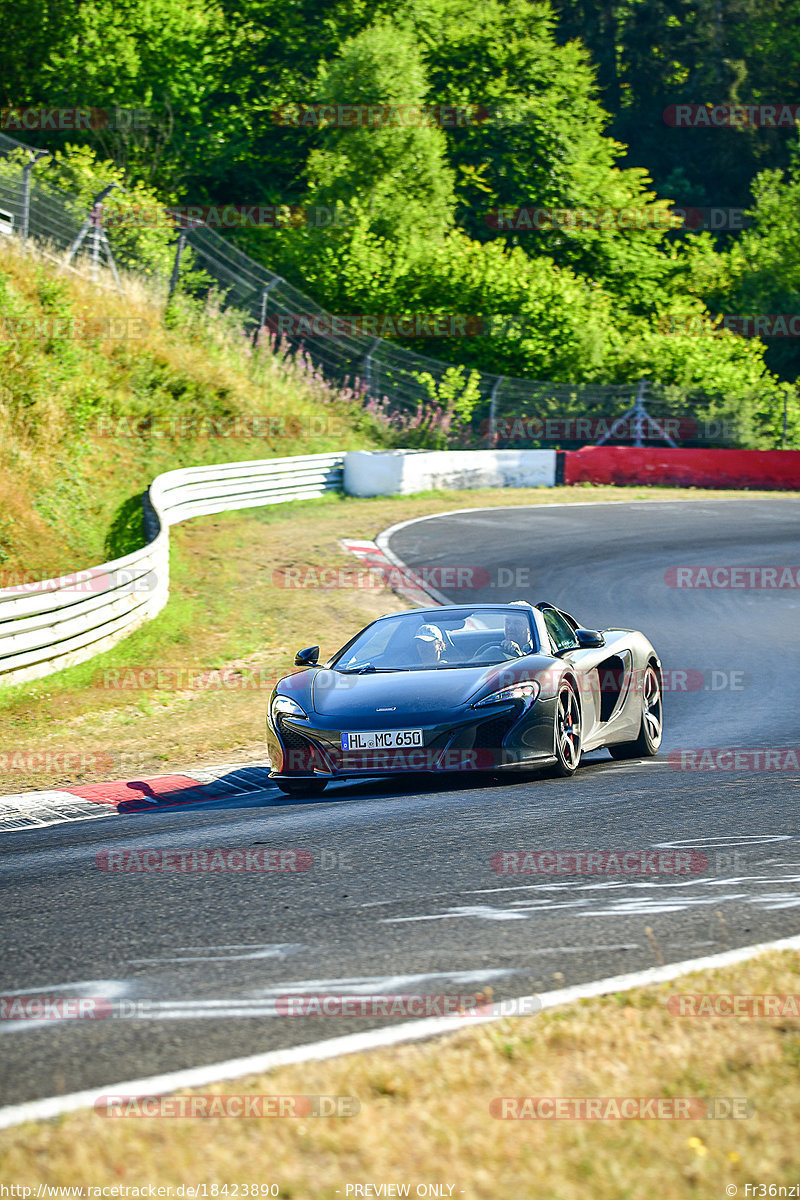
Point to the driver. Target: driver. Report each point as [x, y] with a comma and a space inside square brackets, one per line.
[429, 642]
[518, 635]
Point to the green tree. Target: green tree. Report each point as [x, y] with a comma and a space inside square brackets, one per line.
[651, 54]
[389, 186]
[397, 172]
[542, 145]
[760, 273]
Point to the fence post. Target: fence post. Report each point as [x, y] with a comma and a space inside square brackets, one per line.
[97, 218]
[26, 189]
[368, 366]
[639, 412]
[176, 266]
[91, 221]
[491, 437]
[262, 317]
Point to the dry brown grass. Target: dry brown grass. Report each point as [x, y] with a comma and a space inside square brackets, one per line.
[425, 1111]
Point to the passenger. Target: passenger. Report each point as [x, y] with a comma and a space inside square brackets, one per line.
[430, 645]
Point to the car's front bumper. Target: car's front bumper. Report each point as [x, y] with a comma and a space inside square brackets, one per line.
[507, 736]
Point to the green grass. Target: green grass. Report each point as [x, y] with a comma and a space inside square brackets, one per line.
[87, 422]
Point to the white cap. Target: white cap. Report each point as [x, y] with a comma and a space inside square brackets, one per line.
[428, 633]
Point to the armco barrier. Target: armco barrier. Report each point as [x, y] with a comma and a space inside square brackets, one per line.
[403, 472]
[763, 469]
[48, 625]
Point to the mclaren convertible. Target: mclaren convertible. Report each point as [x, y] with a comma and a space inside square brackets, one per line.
[459, 688]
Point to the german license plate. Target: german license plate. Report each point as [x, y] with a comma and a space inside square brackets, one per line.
[385, 739]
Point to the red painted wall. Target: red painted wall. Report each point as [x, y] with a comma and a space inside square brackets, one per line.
[763, 469]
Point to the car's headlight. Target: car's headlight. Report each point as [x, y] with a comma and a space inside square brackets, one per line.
[288, 707]
[527, 691]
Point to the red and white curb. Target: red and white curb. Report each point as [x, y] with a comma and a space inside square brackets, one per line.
[394, 572]
[373, 1039]
[85, 802]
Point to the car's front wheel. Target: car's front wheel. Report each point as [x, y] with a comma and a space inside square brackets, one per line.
[651, 729]
[567, 731]
[301, 787]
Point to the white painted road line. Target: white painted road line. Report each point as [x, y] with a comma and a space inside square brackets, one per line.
[412, 1031]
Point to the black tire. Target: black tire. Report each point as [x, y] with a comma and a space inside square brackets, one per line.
[651, 728]
[301, 787]
[566, 731]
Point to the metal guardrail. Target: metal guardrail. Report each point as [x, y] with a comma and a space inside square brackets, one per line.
[51, 624]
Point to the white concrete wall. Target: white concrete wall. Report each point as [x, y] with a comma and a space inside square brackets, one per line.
[402, 472]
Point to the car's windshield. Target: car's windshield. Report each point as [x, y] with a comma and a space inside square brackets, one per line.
[461, 637]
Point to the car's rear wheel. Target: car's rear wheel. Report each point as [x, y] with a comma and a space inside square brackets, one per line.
[651, 729]
[301, 787]
[567, 731]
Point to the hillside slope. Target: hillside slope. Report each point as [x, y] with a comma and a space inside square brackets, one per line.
[99, 393]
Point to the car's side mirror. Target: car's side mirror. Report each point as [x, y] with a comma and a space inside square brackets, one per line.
[589, 639]
[308, 657]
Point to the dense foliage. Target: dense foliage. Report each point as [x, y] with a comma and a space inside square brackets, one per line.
[565, 109]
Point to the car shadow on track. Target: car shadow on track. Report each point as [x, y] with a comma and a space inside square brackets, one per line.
[252, 788]
[151, 796]
[385, 786]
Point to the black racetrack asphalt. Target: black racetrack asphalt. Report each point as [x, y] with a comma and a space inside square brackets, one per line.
[402, 896]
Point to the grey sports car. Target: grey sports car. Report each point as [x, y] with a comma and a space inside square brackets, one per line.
[481, 687]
